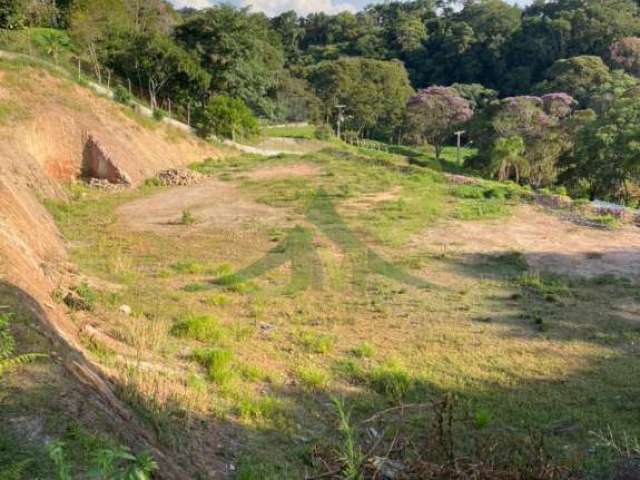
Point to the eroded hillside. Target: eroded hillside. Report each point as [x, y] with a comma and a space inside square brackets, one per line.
[47, 124]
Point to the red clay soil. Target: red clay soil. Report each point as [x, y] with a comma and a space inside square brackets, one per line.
[41, 145]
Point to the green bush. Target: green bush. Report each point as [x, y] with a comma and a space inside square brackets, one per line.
[122, 95]
[226, 117]
[323, 132]
[81, 297]
[159, 114]
[7, 343]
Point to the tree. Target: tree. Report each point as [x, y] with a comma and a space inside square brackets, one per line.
[434, 113]
[104, 29]
[289, 27]
[478, 95]
[94, 24]
[13, 14]
[42, 13]
[240, 52]
[544, 125]
[295, 100]
[54, 42]
[374, 93]
[558, 104]
[607, 152]
[625, 54]
[162, 68]
[226, 117]
[577, 76]
[507, 158]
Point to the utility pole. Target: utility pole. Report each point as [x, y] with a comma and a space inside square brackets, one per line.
[340, 119]
[459, 134]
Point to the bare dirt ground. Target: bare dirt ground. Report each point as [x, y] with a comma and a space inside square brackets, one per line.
[548, 242]
[213, 203]
[371, 199]
[284, 171]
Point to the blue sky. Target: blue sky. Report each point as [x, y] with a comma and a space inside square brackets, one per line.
[274, 7]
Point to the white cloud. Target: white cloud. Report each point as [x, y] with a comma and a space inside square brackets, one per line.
[275, 7]
[303, 7]
[191, 3]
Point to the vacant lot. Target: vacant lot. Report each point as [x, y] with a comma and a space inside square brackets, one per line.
[274, 287]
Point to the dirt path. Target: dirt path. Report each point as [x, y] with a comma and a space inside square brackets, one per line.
[548, 242]
[213, 204]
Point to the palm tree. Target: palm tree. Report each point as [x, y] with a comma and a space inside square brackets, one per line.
[54, 43]
[507, 157]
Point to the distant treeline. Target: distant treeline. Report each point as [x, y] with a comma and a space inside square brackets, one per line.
[547, 93]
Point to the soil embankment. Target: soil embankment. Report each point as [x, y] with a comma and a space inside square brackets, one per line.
[51, 131]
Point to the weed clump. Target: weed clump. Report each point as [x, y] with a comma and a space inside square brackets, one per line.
[190, 267]
[260, 408]
[313, 378]
[204, 328]
[314, 343]
[364, 350]
[81, 297]
[218, 363]
[391, 380]
[188, 218]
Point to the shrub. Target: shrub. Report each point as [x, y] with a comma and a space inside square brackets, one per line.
[159, 114]
[81, 297]
[226, 117]
[7, 343]
[122, 95]
[323, 132]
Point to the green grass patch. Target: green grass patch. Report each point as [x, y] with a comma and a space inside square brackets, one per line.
[255, 408]
[204, 328]
[313, 378]
[190, 267]
[304, 132]
[607, 221]
[316, 343]
[216, 299]
[391, 379]
[364, 350]
[218, 363]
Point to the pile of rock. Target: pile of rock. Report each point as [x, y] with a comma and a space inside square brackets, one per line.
[178, 177]
[104, 184]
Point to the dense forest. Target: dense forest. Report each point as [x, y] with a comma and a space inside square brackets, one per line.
[547, 94]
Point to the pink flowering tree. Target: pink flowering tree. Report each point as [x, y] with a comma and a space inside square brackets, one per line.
[434, 113]
[558, 104]
[530, 134]
[625, 54]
